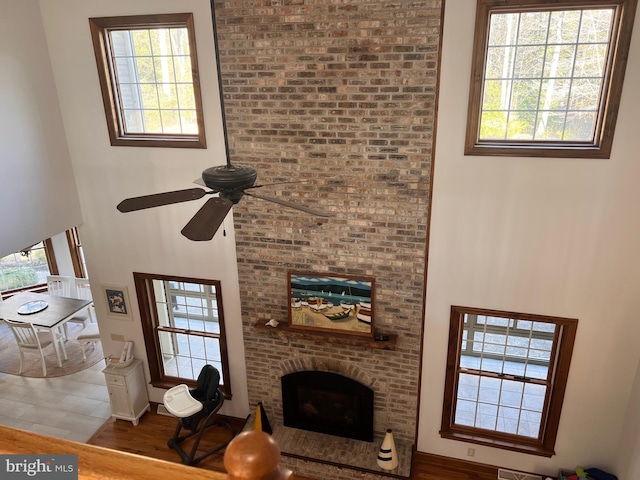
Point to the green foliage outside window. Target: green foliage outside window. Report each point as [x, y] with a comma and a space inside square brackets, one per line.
[19, 271]
[17, 277]
[543, 74]
[153, 67]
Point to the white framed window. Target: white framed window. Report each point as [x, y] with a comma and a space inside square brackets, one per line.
[148, 71]
[547, 78]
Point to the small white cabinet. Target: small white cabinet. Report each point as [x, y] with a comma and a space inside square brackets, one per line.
[127, 391]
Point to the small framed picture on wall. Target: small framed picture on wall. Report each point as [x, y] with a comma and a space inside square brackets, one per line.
[117, 301]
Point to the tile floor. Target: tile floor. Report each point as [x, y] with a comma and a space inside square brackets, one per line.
[73, 407]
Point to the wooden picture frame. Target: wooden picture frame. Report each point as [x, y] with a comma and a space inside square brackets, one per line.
[327, 302]
[117, 299]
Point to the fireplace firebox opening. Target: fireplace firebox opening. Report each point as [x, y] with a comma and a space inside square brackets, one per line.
[328, 403]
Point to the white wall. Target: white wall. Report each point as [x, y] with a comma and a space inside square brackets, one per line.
[116, 244]
[539, 235]
[629, 445]
[38, 196]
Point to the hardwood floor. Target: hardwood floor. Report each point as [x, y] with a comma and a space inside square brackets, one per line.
[150, 437]
[433, 467]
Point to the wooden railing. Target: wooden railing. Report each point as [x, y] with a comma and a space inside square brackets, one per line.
[250, 456]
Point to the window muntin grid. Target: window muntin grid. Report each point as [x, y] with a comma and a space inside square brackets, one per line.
[153, 80]
[504, 374]
[544, 75]
[148, 73]
[495, 395]
[580, 115]
[188, 328]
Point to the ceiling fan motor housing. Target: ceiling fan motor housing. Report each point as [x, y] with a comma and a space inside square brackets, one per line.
[230, 180]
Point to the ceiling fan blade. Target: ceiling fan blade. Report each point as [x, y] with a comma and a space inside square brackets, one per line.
[159, 199]
[278, 183]
[205, 223]
[290, 204]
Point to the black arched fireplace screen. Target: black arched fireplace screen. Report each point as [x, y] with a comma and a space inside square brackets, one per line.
[329, 403]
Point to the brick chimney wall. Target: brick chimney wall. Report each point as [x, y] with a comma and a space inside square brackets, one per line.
[341, 94]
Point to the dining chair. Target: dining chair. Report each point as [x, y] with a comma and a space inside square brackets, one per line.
[59, 285]
[89, 335]
[31, 340]
[81, 290]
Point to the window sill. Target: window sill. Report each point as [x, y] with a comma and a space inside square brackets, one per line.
[504, 444]
[543, 151]
[184, 141]
[345, 339]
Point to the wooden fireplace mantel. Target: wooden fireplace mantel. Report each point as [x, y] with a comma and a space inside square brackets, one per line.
[284, 330]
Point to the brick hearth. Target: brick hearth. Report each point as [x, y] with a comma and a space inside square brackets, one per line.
[353, 457]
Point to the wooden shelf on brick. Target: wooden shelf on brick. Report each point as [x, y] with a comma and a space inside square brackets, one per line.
[344, 339]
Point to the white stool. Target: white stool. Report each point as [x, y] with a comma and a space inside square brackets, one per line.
[89, 334]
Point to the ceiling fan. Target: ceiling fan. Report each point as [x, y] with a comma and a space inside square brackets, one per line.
[230, 182]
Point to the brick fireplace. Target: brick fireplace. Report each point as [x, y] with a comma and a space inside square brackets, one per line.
[319, 455]
[342, 94]
[327, 403]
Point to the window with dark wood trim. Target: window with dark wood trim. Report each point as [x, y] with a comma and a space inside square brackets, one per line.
[505, 379]
[183, 326]
[51, 257]
[27, 269]
[77, 253]
[547, 77]
[148, 72]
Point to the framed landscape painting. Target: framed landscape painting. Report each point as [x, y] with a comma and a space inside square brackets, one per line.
[332, 303]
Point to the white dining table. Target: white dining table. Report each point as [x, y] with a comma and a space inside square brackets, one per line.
[58, 311]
